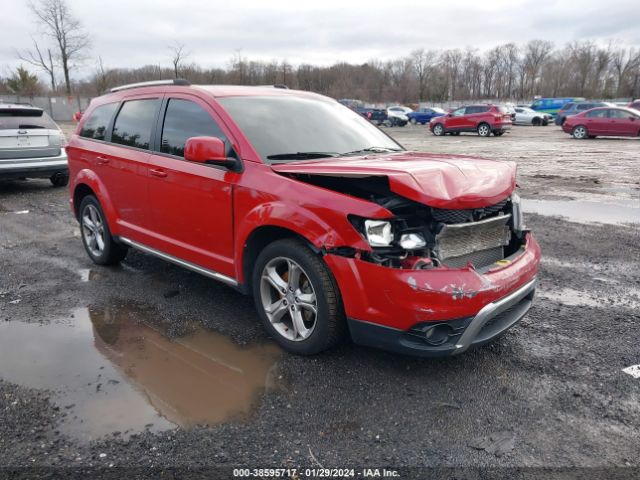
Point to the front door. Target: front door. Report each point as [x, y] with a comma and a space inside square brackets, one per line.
[191, 203]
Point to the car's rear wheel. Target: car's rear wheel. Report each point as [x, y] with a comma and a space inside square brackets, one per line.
[498, 134]
[536, 122]
[579, 132]
[484, 130]
[96, 236]
[413, 121]
[59, 179]
[438, 130]
[297, 298]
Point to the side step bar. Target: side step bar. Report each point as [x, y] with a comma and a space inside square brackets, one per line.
[170, 258]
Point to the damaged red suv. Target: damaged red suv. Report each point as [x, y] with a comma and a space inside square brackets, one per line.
[332, 226]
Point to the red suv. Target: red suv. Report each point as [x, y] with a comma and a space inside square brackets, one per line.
[483, 119]
[297, 200]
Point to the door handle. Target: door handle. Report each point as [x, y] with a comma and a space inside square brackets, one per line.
[102, 160]
[158, 173]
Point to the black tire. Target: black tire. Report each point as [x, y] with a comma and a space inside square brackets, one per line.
[112, 252]
[592, 136]
[498, 134]
[438, 130]
[536, 121]
[484, 129]
[330, 325]
[579, 132]
[59, 179]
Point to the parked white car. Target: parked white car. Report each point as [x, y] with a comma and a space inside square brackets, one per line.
[397, 115]
[31, 145]
[527, 116]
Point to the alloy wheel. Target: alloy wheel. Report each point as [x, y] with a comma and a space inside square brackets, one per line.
[93, 230]
[289, 299]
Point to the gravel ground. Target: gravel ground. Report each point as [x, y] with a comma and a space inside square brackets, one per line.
[550, 393]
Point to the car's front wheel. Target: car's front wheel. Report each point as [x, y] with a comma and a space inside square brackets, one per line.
[579, 132]
[297, 298]
[438, 130]
[96, 236]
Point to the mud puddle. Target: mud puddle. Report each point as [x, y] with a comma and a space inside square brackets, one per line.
[111, 371]
[620, 212]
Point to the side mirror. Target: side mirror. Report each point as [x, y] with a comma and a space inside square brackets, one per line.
[631, 117]
[210, 150]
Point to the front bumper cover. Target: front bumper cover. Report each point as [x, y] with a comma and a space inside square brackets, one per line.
[489, 323]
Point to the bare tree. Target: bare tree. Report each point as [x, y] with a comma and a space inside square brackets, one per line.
[452, 62]
[178, 55]
[101, 77]
[65, 30]
[423, 66]
[43, 62]
[624, 63]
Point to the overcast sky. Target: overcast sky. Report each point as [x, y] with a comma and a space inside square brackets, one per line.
[130, 33]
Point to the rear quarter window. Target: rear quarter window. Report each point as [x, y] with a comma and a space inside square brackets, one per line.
[95, 126]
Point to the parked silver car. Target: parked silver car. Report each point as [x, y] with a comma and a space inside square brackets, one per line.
[527, 116]
[31, 145]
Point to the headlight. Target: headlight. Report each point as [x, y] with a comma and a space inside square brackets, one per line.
[378, 232]
[516, 211]
[412, 241]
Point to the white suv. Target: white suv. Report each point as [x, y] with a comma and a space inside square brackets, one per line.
[31, 145]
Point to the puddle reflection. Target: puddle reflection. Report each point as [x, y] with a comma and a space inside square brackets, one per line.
[111, 371]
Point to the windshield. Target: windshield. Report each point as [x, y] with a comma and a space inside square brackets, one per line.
[289, 128]
[17, 118]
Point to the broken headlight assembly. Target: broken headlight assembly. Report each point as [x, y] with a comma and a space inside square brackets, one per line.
[379, 233]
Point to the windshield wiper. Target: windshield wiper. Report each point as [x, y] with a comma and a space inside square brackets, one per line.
[302, 155]
[372, 150]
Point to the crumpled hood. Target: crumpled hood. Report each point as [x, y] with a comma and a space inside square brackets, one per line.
[438, 180]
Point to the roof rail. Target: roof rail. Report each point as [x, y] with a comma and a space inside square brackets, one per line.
[153, 83]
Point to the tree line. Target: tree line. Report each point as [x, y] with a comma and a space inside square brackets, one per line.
[507, 71]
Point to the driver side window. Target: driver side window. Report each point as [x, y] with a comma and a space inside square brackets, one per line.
[185, 119]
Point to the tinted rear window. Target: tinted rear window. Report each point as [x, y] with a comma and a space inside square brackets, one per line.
[134, 123]
[95, 126]
[16, 118]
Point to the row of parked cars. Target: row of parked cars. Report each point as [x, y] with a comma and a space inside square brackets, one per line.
[591, 118]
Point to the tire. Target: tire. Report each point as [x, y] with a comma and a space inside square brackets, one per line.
[498, 134]
[592, 136]
[561, 121]
[414, 121]
[579, 132]
[536, 122]
[94, 231]
[484, 129]
[455, 133]
[438, 130]
[59, 179]
[271, 285]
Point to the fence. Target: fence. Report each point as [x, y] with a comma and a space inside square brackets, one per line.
[61, 109]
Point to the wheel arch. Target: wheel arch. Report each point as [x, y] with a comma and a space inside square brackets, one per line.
[257, 240]
[86, 182]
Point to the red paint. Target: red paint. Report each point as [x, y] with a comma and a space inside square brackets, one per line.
[606, 121]
[205, 215]
[469, 118]
[442, 181]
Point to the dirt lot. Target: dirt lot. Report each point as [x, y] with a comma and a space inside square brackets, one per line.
[115, 367]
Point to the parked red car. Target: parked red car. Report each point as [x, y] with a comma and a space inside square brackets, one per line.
[328, 222]
[610, 122]
[482, 119]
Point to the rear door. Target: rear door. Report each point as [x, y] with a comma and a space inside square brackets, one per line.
[122, 163]
[191, 203]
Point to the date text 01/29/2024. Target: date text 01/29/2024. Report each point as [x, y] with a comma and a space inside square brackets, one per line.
[314, 473]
